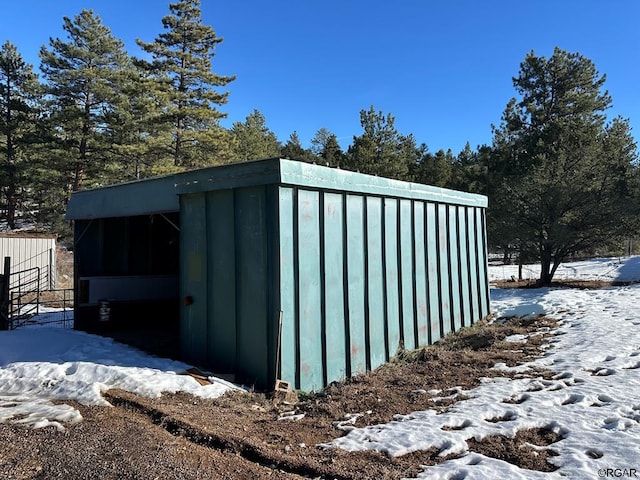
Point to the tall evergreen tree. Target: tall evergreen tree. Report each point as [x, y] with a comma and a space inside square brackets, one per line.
[81, 84]
[434, 169]
[381, 150]
[18, 117]
[188, 87]
[294, 150]
[326, 149]
[564, 185]
[253, 138]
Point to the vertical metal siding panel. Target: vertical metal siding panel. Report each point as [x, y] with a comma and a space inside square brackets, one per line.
[288, 286]
[422, 308]
[273, 283]
[334, 288]
[406, 267]
[456, 309]
[391, 269]
[356, 281]
[222, 280]
[443, 255]
[375, 283]
[311, 368]
[473, 262]
[484, 280]
[193, 245]
[432, 272]
[252, 285]
[467, 317]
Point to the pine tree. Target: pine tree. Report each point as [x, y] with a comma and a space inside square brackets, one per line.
[562, 185]
[381, 150]
[136, 138]
[81, 84]
[19, 90]
[326, 149]
[187, 86]
[294, 150]
[434, 169]
[253, 138]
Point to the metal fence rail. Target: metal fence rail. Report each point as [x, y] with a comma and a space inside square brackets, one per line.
[43, 308]
[24, 303]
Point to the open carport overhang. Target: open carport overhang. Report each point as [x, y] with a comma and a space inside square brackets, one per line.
[156, 195]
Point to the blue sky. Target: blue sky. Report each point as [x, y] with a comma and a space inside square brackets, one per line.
[442, 69]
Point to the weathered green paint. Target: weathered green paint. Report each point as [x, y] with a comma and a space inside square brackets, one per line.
[473, 262]
[467, 317]
[456, 310]
[253, 317]
[289, 332]
[483, 262]
[392, 274]
[193, 251]
[375, 284]
[222, 280]
[443, 256]
[405, 255]
[310, 294]
[433, 280]
[351, 264]
[306, 175]
[356, 282]
[335, 287]
[422, 309]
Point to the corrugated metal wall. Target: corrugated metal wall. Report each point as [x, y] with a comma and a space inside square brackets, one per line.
[362, 276]
[229, 271]
[29, 254]
[357, 266]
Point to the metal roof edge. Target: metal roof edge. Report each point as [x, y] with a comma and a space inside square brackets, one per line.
[317, 176]
[244, 174]
[160, 194]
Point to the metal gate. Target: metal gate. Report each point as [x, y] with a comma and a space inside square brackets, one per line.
[23, 302]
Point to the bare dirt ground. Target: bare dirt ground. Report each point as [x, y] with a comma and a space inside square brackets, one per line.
[240, 436]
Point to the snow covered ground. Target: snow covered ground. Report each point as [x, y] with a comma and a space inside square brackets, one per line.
[41, 365]
[624, 269]
[593, 399]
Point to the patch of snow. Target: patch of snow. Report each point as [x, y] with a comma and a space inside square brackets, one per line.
[38, 366]
[593, 400]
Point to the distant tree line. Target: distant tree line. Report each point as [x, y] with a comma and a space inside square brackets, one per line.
[561, 179]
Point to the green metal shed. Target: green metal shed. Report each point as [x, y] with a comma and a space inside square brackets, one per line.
[279, 269]
[310, 274]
